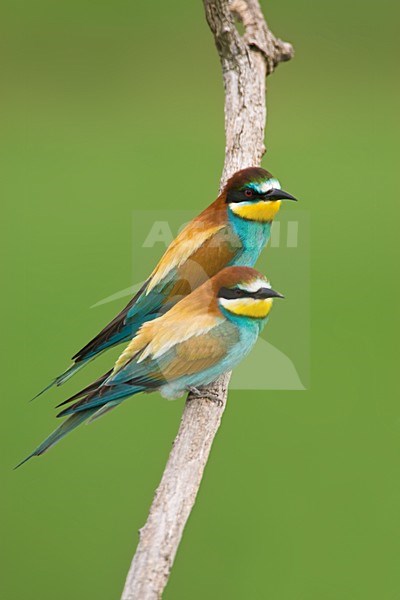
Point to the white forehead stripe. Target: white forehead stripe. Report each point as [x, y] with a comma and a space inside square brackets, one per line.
[255, 285]
[265, 186]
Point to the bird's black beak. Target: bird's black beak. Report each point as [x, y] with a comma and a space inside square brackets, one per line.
[269, 293]
[276, 194]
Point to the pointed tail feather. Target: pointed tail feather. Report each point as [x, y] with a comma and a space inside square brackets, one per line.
[101, 397]
[103, 410]
[116, 332]
[63, 377]
[60, 432]
[89, 388]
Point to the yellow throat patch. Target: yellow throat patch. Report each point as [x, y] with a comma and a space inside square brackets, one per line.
[248, 307]
[256, 211]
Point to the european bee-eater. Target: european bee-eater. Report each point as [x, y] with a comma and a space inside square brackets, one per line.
[233, 230]
[204, 335]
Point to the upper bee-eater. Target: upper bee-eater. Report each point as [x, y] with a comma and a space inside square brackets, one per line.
[204, 335]
[233, 230]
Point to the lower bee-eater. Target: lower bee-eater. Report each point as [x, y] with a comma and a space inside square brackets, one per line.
[202, 336]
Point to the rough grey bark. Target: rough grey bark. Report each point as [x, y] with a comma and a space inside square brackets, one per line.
[246, 60]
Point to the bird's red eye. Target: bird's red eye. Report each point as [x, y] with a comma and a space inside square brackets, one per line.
[248, 193]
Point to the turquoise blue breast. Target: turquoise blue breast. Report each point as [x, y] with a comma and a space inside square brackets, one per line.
[253, 236]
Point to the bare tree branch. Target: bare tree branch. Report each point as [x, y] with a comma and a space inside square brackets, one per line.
[246, 60]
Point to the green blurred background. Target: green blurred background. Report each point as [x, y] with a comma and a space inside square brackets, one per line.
[111, 107]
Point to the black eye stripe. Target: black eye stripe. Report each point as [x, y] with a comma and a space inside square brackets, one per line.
[230, 293]
[240, 196]
[234, 293]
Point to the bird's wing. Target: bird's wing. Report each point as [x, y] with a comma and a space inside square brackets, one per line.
[193, 316]
[193, 355]
[164, 351]
[190, 239]
[199, 353]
